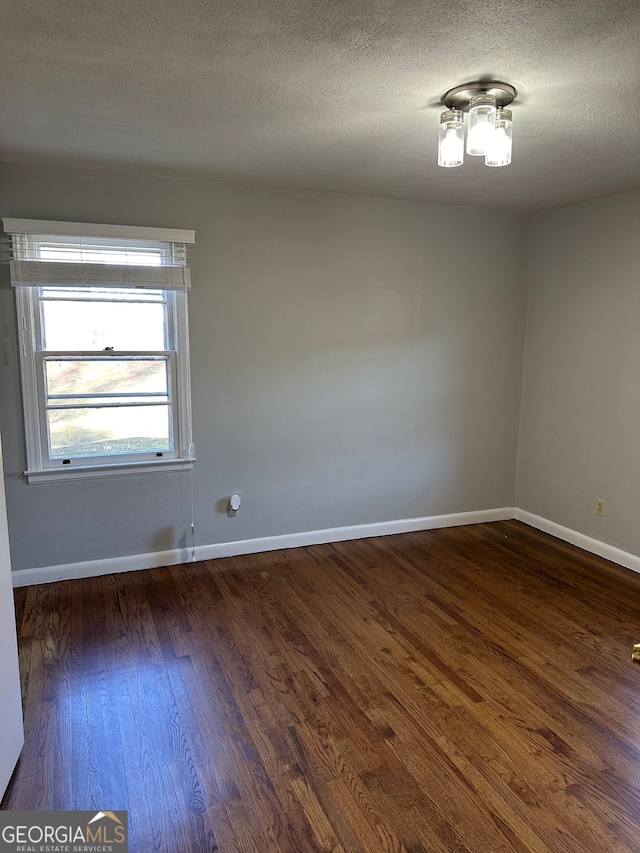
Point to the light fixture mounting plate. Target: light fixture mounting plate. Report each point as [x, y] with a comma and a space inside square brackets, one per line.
[459, 97]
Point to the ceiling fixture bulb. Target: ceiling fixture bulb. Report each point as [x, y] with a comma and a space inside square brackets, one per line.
[451, 139]
[482, 117]
[500, 144]
[490, 129]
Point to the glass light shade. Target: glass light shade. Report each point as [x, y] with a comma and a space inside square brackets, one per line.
[499, 150]
[451, 139]
[482, 116]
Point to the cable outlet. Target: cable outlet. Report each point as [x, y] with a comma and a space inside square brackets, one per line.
[601, 507]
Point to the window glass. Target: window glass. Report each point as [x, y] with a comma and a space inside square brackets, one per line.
[105, 376]
[108, 431]
[95, 321]
[103, 406]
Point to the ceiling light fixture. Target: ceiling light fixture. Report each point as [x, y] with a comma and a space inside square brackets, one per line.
[490, 130]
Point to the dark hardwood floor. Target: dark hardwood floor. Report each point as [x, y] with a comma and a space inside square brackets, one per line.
[468, 689]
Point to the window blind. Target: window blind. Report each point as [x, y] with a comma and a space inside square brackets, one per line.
[72, 254]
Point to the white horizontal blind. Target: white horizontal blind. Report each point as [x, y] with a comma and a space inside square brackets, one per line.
[67, 254]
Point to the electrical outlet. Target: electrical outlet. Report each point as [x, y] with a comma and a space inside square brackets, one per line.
[601, 508]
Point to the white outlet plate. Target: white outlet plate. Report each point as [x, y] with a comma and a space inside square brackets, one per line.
[601, 507]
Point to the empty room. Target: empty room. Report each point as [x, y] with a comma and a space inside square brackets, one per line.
[320, 419]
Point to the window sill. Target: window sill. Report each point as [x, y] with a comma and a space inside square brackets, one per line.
[118, 469]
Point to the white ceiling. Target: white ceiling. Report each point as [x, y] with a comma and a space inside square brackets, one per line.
[334, 95]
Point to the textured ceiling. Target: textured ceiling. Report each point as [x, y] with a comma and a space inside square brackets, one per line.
[332, 95]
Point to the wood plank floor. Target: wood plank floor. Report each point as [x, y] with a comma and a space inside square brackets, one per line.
[467, 690]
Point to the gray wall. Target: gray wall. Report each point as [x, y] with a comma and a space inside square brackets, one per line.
[353, 361]
[580, 435]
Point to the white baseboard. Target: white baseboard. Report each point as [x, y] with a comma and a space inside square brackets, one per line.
[93, 568]
[587, 543]
[358, 531]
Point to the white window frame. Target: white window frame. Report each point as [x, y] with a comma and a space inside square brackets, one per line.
[40, 467]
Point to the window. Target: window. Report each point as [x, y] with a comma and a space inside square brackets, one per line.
[104, 350]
